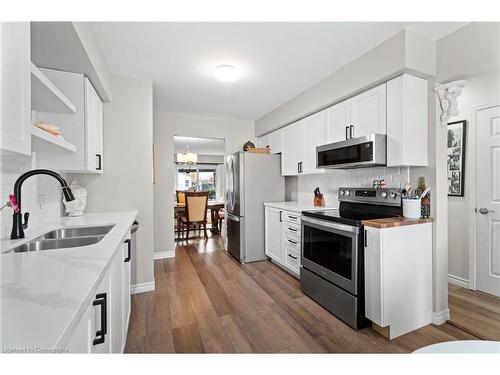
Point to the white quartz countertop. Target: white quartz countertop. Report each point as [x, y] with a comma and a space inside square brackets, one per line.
[298, 206]
[45, 293]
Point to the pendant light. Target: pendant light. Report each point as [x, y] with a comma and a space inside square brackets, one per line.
[188, 158]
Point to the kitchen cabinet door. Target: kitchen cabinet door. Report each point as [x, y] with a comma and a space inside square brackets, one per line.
[312, 135]
[277, 141]
[292, 150]
[407, 121]
[373, 277]
[127, 263]
[338, 120]
[82, 337]
[93, 128]
[15, 83]
[117, 305]
[274, 234]
[103, 307]
[368, 112]
[264, 141]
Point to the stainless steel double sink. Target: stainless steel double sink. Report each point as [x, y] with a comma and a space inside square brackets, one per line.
[65, 238]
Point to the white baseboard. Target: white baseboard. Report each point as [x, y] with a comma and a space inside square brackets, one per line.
[440, 317]
[142, 288]
[164, 254]
[460, 281]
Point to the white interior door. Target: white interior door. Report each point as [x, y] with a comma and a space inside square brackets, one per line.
[488, 201]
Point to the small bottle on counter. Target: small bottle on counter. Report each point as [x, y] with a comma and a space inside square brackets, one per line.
[426, 201]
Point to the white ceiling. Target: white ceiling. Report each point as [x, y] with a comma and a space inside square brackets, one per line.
[201, 146]
[277, 60]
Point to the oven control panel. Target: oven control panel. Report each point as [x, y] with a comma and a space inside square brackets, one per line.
[382, 196]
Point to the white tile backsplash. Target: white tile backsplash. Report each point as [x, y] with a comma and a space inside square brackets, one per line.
[41, 195]
[330, 181]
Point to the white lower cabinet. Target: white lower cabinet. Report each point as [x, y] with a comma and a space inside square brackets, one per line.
[104, 324]
[273, 237]
[398, 277]
[282, 238]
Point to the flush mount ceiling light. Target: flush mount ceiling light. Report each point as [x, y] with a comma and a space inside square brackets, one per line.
[226, 73]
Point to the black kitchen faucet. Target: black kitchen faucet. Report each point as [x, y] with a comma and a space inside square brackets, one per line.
[17, 222]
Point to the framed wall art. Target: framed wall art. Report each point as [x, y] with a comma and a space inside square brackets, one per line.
[456, 158]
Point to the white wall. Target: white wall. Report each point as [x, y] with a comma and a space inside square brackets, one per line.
[166, 125]
[483, 89]
[406, 51]
[41, 195]
[127, 183]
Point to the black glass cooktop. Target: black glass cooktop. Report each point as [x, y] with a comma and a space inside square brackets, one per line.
[354, 214]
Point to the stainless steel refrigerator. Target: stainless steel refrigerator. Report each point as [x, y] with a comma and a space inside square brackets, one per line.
[251, 180]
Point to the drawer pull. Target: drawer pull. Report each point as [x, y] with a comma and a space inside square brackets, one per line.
[101, 300]
[292, 217]
[294, 242]
[292, 229]
[291, 256]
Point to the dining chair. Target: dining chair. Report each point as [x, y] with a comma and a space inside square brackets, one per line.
[196, 212]
[180, 196]
[221, 219]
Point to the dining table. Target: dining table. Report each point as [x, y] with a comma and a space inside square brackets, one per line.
[213, 206]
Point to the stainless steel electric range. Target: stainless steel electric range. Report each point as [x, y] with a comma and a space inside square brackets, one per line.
[332, 259]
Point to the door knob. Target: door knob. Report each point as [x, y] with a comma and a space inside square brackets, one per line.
[484, 211]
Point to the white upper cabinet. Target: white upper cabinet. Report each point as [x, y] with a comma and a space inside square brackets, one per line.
[338, 120]
[368, 112]
[93, 126]
[15, 82]
[277, 141]
[84, 128]
[272, 140]
[264, 141]
[312, 135]
[407, 121]
[358, 116]
[397, 109]
[292, 150]
[300, 140]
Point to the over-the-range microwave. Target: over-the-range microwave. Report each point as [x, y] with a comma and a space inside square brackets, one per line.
[367, 151]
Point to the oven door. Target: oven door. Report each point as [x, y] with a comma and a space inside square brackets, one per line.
[330, 250]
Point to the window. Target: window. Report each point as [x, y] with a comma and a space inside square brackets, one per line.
[198, 177]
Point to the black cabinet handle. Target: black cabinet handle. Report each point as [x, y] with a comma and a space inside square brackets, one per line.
[366, 239]
[292, 229]
[101, 300]
[281, 216]
[347, 132]
[294, 242]
[298, 167]
[301, 167]
[129, 252]
[292, 217]
[99, 162]
[291, 256]
[351, 131]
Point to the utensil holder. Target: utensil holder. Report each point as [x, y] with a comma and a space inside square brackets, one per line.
[412, 208]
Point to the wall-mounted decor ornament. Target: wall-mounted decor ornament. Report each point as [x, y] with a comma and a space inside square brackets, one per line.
[448, 94]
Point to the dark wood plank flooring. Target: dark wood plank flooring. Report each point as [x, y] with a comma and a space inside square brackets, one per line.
[206, 302]
[475, 312]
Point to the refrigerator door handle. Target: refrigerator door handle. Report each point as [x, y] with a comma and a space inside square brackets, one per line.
[232, 217]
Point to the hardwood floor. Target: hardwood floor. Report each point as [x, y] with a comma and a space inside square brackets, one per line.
[206, 302]
[475, 312]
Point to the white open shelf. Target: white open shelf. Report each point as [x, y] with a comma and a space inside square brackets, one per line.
[44, 141]
[45, 96]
